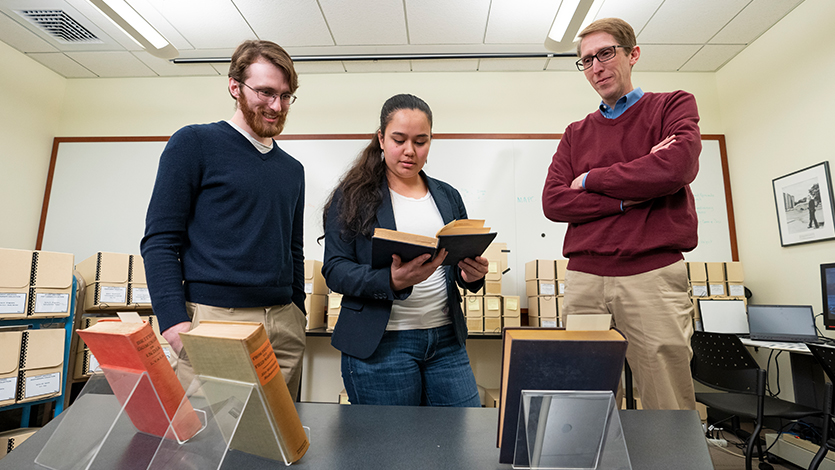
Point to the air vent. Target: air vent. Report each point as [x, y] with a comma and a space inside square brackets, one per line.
[60, 26]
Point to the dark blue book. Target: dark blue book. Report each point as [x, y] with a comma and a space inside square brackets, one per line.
[465, 238]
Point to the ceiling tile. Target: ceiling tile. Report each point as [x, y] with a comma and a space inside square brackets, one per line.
[689, 22]
[711, 57]
[563, 64]
[511, 65]
[664, 57]
[365, 22]
[377, 66]
[754, 20]
[21, 38]
[447, 22]
[520, 22]
[445, 65]
[112, 64]
[287, 22]
[636, 13]
[206, 24]
[319, 67]
[165, 68]
[62, 65]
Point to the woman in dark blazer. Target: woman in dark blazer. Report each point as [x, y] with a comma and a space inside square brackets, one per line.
[401, 330]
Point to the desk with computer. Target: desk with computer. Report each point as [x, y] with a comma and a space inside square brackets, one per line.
[777, 328]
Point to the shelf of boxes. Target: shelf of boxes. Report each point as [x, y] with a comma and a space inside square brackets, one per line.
[545, 288]
[109, 283]
[715, 280]
[37, 306]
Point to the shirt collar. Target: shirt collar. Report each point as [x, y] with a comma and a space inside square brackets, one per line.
[624, 103]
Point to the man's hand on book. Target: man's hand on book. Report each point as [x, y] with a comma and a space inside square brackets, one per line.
[405, 275]
[172, 335]
[473, 269]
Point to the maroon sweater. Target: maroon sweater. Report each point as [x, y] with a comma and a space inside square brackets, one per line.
[601, 238]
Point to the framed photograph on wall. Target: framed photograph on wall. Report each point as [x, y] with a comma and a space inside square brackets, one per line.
[804, 205]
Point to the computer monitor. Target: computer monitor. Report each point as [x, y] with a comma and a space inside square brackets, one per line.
[828, 291]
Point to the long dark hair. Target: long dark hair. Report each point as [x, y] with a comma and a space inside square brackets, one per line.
[360, 186]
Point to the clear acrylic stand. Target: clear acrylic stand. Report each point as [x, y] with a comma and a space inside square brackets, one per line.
[562, 430]
[118, 421]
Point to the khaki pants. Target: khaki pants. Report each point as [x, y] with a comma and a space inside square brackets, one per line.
[285, 325]
[654, 312]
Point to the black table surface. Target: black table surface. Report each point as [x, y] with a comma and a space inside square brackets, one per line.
[387, 437]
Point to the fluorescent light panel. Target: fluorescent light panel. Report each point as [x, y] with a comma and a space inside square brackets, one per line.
[568, 8]
[139, 24]
[567, 24]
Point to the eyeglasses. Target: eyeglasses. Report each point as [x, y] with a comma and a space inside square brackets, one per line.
[603, 55]
[269, 98]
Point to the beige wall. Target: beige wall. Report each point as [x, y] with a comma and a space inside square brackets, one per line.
[777, 114]
[31, 97]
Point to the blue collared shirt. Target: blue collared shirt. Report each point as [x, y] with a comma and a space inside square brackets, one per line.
[622, 104]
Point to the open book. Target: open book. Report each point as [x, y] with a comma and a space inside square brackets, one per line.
[463, 238]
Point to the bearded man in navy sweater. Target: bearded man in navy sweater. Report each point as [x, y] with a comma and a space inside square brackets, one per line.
[620, 178]
[223, 233]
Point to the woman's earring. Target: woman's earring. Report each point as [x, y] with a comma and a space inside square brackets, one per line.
[382, 154]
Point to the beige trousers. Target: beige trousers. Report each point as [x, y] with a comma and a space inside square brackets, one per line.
[653, 310]
[285, 326]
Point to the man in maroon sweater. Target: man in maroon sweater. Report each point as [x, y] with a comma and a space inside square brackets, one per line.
[620, 178]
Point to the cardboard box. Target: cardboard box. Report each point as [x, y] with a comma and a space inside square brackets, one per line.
[561, 268]
[736, 289]
[343, 398]
[715, 272]
[510, 306]
[315, 305]
[734, 272]
[136, 270]
[41, 364]
[473, 306]
[85, 364]
[475, 324]
[334, 306]
[697, 272]
[496, 255]
[15, 275]
[13, 438]
[492, 306]
[540, 269]
[492, 325]
[10, 341]
[314, 282]
[106, 276]
[543, 306]
[492, 287]
[51, 284]
[491, 397]
[139, 298]
[540, 287]
[511, 321]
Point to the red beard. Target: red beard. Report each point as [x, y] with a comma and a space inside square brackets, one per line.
[256, 122]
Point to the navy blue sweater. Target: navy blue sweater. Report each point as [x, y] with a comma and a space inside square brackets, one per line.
[224, 225]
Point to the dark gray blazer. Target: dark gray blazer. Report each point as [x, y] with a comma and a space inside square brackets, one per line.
[367, 294]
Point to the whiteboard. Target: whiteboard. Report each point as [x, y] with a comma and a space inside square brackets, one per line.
[98, 192]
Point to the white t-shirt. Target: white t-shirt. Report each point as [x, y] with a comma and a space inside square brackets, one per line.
[426, 307]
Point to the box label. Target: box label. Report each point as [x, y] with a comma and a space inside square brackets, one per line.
[308, 287]
[140, 295]
[548, 323]
[334, 301]
[699, 291]
[737, 290]
[492, 304]
[113, 295]
[547, 289]
[52, 303]
[511, 303]
[562, 288]
[717, 289]
[43, 385]
[13, 303]
[8, 387]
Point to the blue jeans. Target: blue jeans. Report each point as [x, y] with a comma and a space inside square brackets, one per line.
[413, 367]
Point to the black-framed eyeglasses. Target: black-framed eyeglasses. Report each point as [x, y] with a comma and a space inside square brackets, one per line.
[603, 55]
[269, 98]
